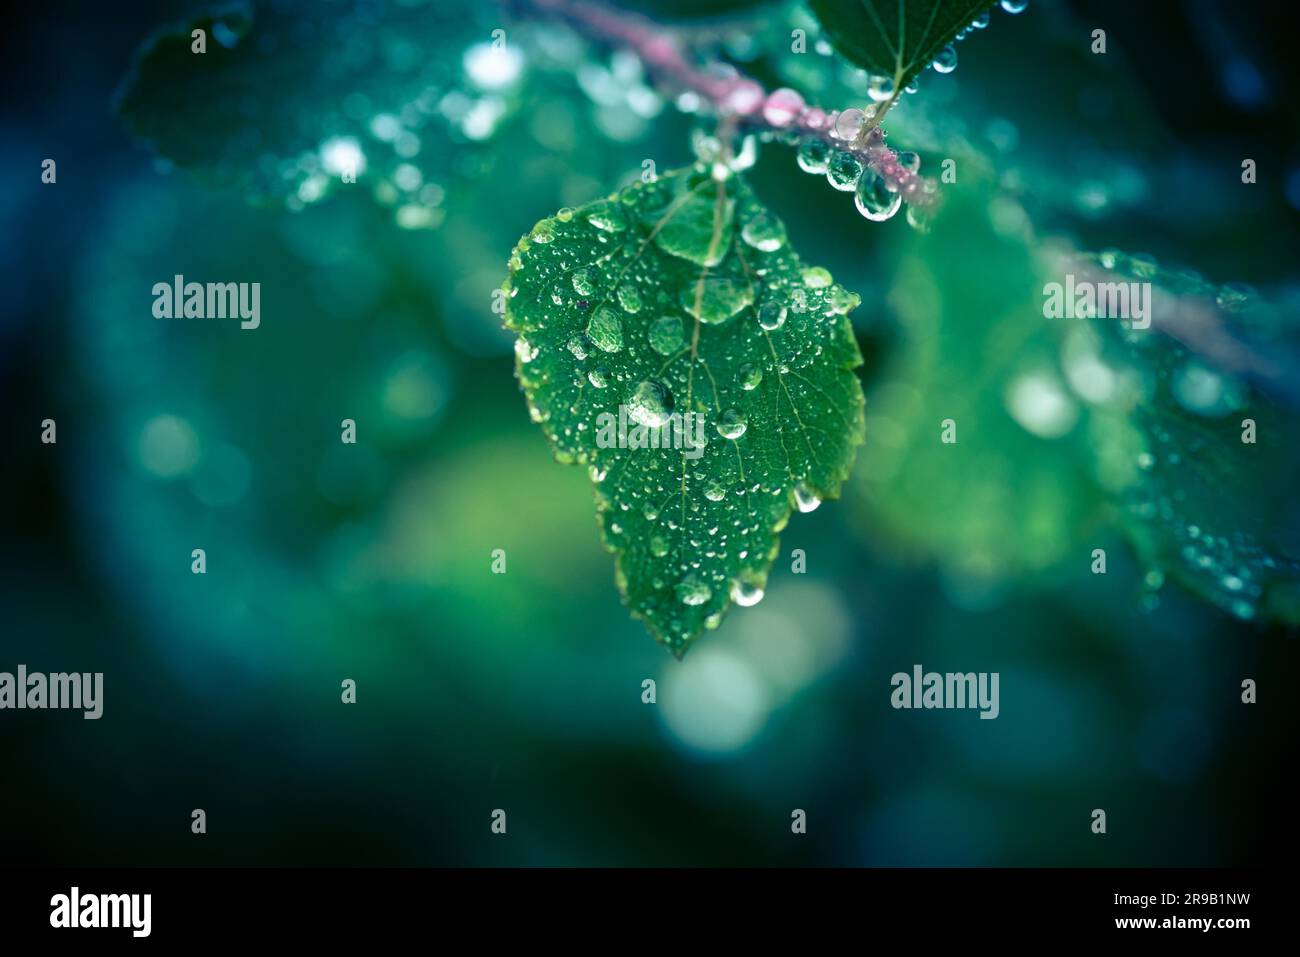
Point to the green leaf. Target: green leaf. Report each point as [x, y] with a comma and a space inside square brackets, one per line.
[894, 38]
[1009, 494]
[673, 297]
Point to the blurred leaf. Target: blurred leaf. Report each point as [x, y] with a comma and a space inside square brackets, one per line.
[289, 97]
[1207, 500]
[1012, 494]
[764, 360]
[894, 38]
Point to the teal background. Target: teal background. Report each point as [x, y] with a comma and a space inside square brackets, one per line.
[523, 691]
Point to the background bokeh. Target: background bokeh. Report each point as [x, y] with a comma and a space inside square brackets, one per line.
[523, 691]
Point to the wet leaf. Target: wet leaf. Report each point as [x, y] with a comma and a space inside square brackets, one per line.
[894, 38]
[677, 312]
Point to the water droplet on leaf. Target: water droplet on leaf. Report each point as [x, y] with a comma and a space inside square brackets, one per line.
[666, 335]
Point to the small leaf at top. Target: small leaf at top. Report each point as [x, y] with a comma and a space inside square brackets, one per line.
[671, 340]
[894, 38]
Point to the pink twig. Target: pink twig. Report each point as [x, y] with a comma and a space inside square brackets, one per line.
[738, 98]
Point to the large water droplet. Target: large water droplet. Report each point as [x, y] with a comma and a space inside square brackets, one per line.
[598, 377]
[650, 404]
[717, 299]
[812, 155]
[817, 277]
[806, 498]
[658, 546]
[749, 376]
[880, 88]
[577, 344]
[771, 315]
[715, 493]
[849, 123]
[1014, 6]
[746, 592]
[764, 232]
[692, 591]
[629, 298]
[945, 61]
[874, 199]
[666, 335]
[605, 330]
[843, 170]
[700, 226]
[583, 283]
[732, 425]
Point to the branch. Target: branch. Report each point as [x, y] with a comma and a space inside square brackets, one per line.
[740, 101]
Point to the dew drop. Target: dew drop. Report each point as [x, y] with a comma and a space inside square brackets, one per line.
[874, 199]
[658, 546]
[732, 425]
[666, 335]
[840, 301]
[843, 170]
[782, 106]
[849, 123]
[650, 404]
[582, 282]
[771, 315]
[715, 493]
[880, 88]
[764, 232]
[945, 61]
[629, 298]
[609, 218]
[749, 376]
[525, 350]
[692, 591]
[578, 346]
[746, 593]
[605, 330]
[817, 277]
[543, 232]
[909, 161]
[1014, 6]
[806, 498]
[717, 299]
[598, 377]
[813, 154]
